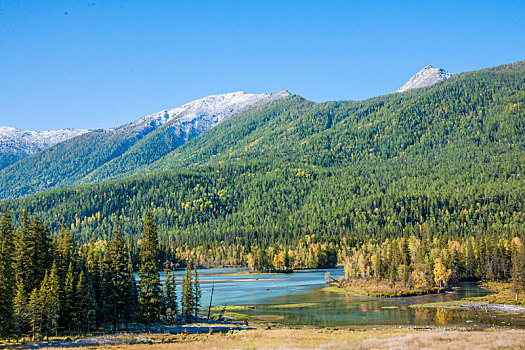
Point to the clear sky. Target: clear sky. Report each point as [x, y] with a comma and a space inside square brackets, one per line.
[99, 64]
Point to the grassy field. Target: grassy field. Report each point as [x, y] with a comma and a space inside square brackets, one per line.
[381, 289]
[503, 294]
[231, 315]
[285, 338]
[232, 308]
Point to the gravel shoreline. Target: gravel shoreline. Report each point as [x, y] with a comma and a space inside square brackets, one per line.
[487, 307]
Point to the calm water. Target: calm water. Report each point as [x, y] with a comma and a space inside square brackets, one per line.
[272, 293]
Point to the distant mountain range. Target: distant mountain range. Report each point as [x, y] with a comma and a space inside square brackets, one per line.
[34, 161]
[189, 120]
[441, 159]
[71, 157]
[16, 144]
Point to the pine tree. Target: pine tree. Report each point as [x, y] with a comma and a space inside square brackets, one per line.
[50, 301]
[33, 252]
[170, 296]
[21, 312]
[518, 266]
[118, 280]
[131, 307]
[197, 292]
[65, 253]
[24, 250]
[94, 265]
[66, 266]
[187, 294]
[150, 289]
[67, 299]
[34, 311]
[84, 304]
[470, 259]
[7, 281]
[405, 255]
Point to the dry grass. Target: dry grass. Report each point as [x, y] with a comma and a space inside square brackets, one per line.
[335, 339]
[503, 294]
[381, 289]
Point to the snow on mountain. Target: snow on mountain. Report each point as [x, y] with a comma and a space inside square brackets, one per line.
[13, 140]
[426, 77]
[184, 122]
[202, 114]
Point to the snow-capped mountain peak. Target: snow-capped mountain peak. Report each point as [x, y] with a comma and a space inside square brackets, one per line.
[214, 108]
[184, 122]
[428, 76]
[29, 142]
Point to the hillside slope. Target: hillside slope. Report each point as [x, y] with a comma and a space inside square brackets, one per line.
[106, 154]
[445, 159]
[16, 144]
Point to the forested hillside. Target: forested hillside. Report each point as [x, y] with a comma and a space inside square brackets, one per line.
[447, 160]
[114, 153]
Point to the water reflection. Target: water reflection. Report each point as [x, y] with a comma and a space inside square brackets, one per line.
[335, 309]
[299, 299]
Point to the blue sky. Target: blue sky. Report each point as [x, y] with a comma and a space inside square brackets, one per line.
[99, 64]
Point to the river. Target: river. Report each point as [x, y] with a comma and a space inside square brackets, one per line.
[299, 299]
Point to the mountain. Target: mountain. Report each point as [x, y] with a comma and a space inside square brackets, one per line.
[16, 144]
[426, 77]
[106, 154]
[447, 159]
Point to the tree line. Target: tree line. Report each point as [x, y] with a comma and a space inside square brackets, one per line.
[423, 263]
[49, 284]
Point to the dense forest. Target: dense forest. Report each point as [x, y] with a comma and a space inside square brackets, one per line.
[50, 284]
[420, 264]
[448, 157]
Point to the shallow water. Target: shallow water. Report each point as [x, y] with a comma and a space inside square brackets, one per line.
[273, 294]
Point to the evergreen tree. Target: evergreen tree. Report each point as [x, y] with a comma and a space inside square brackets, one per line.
[197, 292]
[94, 267]
[33, 252]
[50, 301]
[65, 253]
[150, 289]
[84, 304]
[518, 266]
[34, 311]
[188, 298]
[405, 255]
[24, 250]
[21, 312]
[65, 261]
[170, 296]
[7, 281]
[117, 285]
[68, 302]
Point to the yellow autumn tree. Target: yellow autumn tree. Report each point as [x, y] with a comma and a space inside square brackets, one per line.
[420, 281]
[278, 261]
[349, 269]
[361, 264]
[441, 273]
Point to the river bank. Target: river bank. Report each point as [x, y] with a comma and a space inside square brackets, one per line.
[502, 299]
[377, 289]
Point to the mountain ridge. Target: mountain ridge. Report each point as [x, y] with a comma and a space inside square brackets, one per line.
[448, 158]
[76, 160]
[16, 144]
